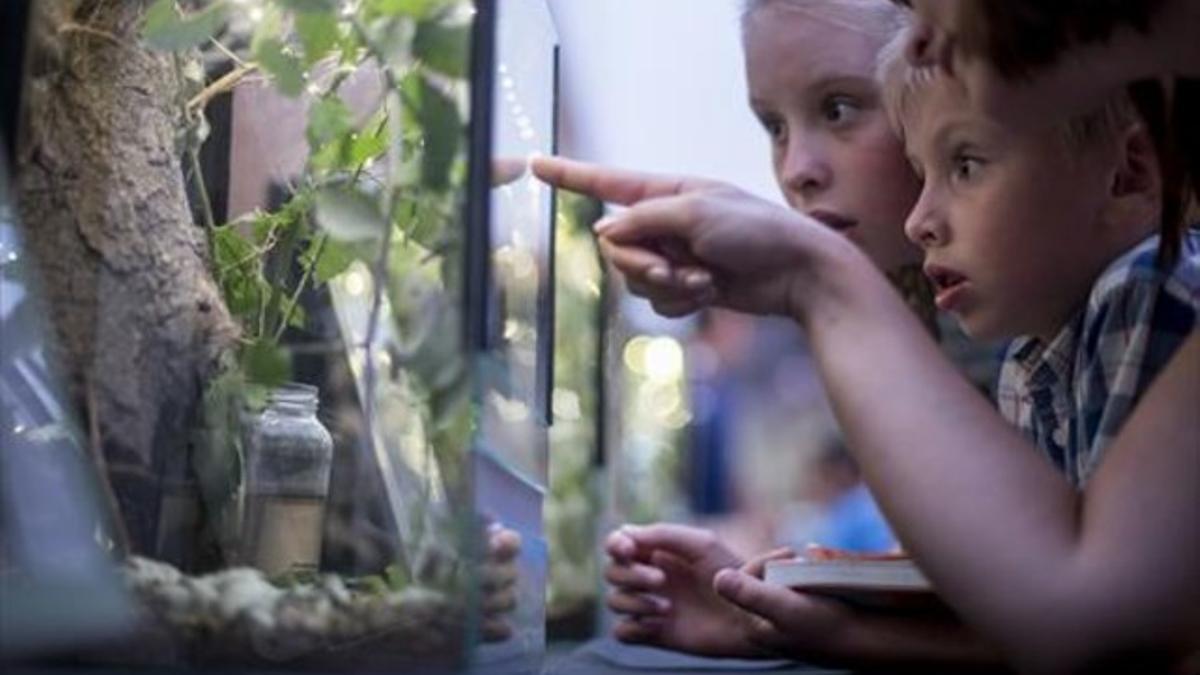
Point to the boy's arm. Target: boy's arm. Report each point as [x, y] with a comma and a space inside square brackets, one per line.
[1002, 535]
[808, 627]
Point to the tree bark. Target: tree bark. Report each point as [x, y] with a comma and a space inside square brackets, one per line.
[139, 322]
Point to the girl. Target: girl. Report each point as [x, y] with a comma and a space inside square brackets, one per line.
[810, 67]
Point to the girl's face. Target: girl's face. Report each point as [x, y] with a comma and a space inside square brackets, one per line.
[811, 75]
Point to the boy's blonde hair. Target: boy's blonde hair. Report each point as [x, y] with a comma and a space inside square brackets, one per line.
[882, 18]
[903, 86]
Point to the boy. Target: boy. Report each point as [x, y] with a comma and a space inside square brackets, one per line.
[1047, 234]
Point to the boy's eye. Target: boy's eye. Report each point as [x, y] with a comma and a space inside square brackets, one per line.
[839, 110]
[966, 167]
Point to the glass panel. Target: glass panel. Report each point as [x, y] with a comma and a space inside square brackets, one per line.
[58, 588]
[510, 465]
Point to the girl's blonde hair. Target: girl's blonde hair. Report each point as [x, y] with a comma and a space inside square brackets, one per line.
[883, 18]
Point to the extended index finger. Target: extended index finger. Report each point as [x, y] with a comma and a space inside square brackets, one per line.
[611, 185]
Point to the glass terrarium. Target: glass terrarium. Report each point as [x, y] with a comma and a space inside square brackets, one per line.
[275, 370]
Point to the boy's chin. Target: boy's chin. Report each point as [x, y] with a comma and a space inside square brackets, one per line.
[980, 329]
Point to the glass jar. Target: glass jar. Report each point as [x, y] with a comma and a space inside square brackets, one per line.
[288, 458]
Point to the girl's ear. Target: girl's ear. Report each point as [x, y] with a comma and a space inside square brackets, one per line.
[1136, 190]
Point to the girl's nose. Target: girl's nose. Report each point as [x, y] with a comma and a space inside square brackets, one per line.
[806, 172]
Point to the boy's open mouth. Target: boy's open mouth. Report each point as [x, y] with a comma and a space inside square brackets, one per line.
[833, 221]
[947, 285]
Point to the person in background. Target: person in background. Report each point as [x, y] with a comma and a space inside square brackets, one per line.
[849, 519]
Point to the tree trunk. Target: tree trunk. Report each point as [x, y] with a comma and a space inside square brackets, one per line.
[139, 322]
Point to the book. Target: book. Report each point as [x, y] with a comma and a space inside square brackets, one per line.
[881, 582]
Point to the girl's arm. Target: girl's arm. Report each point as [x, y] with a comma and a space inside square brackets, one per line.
[1055, 576]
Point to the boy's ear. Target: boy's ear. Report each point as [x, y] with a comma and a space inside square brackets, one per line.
[1136, 190]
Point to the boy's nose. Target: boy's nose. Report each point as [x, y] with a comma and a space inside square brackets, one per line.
[925, 227]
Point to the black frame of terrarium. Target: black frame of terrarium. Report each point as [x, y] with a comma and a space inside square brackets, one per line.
[546, 299]
[14, 23]
[477, 288]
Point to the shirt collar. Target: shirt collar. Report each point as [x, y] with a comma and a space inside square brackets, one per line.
[1045, 364]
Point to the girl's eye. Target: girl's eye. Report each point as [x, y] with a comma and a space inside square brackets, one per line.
[840, 110]
[774, 127]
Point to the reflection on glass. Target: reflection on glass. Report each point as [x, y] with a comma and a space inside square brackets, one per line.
[522, 226]
[509, 469]
[58, 588]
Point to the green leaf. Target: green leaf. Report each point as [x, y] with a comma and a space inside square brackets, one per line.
[283, 66]
[297, 316]
[319, 35]
[167, 30]
[439, 119]
[335, 258]
[266, 363]
[328, 119]
[244, 293]
[445, 49]
[349, 215]
[367, 145]
[263, 226]
[424, 223]
[230, 249]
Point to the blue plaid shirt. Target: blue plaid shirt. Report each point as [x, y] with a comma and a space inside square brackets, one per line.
[1072, 395]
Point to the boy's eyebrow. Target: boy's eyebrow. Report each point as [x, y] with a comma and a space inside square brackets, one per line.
[834, 79]
[948, 129]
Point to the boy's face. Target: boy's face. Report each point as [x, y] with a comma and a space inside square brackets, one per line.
[811, 81]
[1008, 220]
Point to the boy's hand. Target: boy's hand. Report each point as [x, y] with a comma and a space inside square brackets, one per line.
[780, 620]
[661, 577]
[685, 243]
[788, 623]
